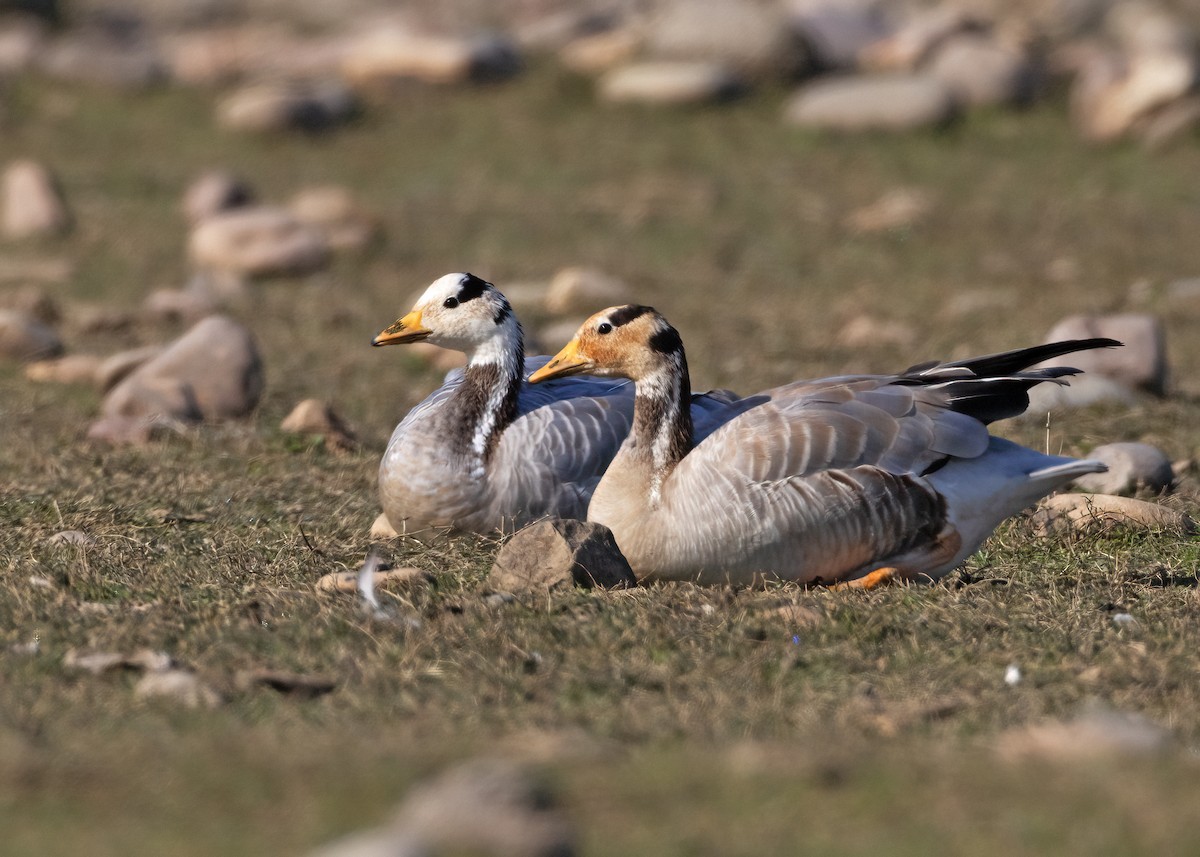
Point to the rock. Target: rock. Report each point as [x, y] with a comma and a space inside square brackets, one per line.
[76, 538]
[558, 554]
[22, 40]
[333, 210]
[1132, 468]
[33, 203]
[23, 337]
[175, 305]
[392, 54]
[115, 368]
[486, 806]
[551, 337]
[70, 369]
[374, 843]
[381, 528]
[1113, 93]
[1165, 126]
[130, 431]
[666, 82]
[981, 71]
[871, 103]
[906, 48]
[97, 58]
[1147, 27]
[1081, 391]
[314, 417]
[282, 105]
[213, 372]
[550, 31]
[598, 52]
[579, 290]
[143, 660]
[838, 32]
[347, 581]
[1064, 513]
[864, 331]
[751, 39]
[182, 686]
[212, 56]
[32, 301]
[897, 209]
[262, 241]
[214, 192]
[1096, 734]
[1140, 364]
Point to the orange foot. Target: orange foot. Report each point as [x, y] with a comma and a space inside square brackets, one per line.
[871, 580]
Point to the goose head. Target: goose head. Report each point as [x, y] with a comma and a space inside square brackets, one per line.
[629, 341]
[458, 311]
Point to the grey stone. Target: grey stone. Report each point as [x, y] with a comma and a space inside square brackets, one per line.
[171, 305]
[751, 39]
[282, 105]
[981, 71]
[916, 37]
[334, 210]
[837, 31]
[96, 57]
[22, 39]
[1132, 468]
[557, 554]
[260, 241]
[117, 366]
[33, 203]
[68, 369]
[669, 82]
[213, 372]
[1112, 92]
[1141, 364]
[214, 192]
[374, 843]
[390, 54]
[872, 103]
[580, 290]
[23, 337]
[1081, 391]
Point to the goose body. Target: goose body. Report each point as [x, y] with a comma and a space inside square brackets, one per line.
[486, 451]
[823, 480]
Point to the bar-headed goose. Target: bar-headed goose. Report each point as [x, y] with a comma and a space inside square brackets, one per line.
[830, 480]
[486, 451]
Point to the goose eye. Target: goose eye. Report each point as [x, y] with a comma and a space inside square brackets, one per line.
[450, 303]
[604, 327]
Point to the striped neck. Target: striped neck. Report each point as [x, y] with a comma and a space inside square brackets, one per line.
[662, 419]
[485, 404]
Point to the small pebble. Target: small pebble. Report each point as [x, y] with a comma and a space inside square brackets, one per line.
[1012, 675]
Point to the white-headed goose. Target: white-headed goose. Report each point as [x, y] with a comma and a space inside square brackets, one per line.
[486, 451]
[829, 480]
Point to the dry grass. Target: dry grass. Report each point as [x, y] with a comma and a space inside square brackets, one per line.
[674, 720]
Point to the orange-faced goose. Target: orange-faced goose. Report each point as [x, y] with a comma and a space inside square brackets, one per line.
[486, 451]
[830, 480]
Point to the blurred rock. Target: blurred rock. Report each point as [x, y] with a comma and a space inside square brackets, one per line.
[22, 40]
[753, 40]
[177, 685]
[100, 58]
[314, 417]
[213, 56]
[666, 82]
[1084, 513]
[131, 431]
[214, 192]
[837, 32]
[599, 52]
[33, 203]
[1140, 364]
[1173, 122]
[71, 369]
[1132, 468]
[33, 301]
[114, 368]
[981, 71]
[390, 54]
[213, 372]
[906, 48]
[864, 331]
[23, 337]
[374, 843]
[578, 290]
[1096, 734]
[897, 209]
[261, 241]
[559, 554]
[335, 211]
[282, 105]
[551, 337]
[381, 528]
[97, 663]
[1144, 26]
[1081, 391]
[487, 806]
[99, 318]
[552, 31]
[871, 103]
[1112, 93]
